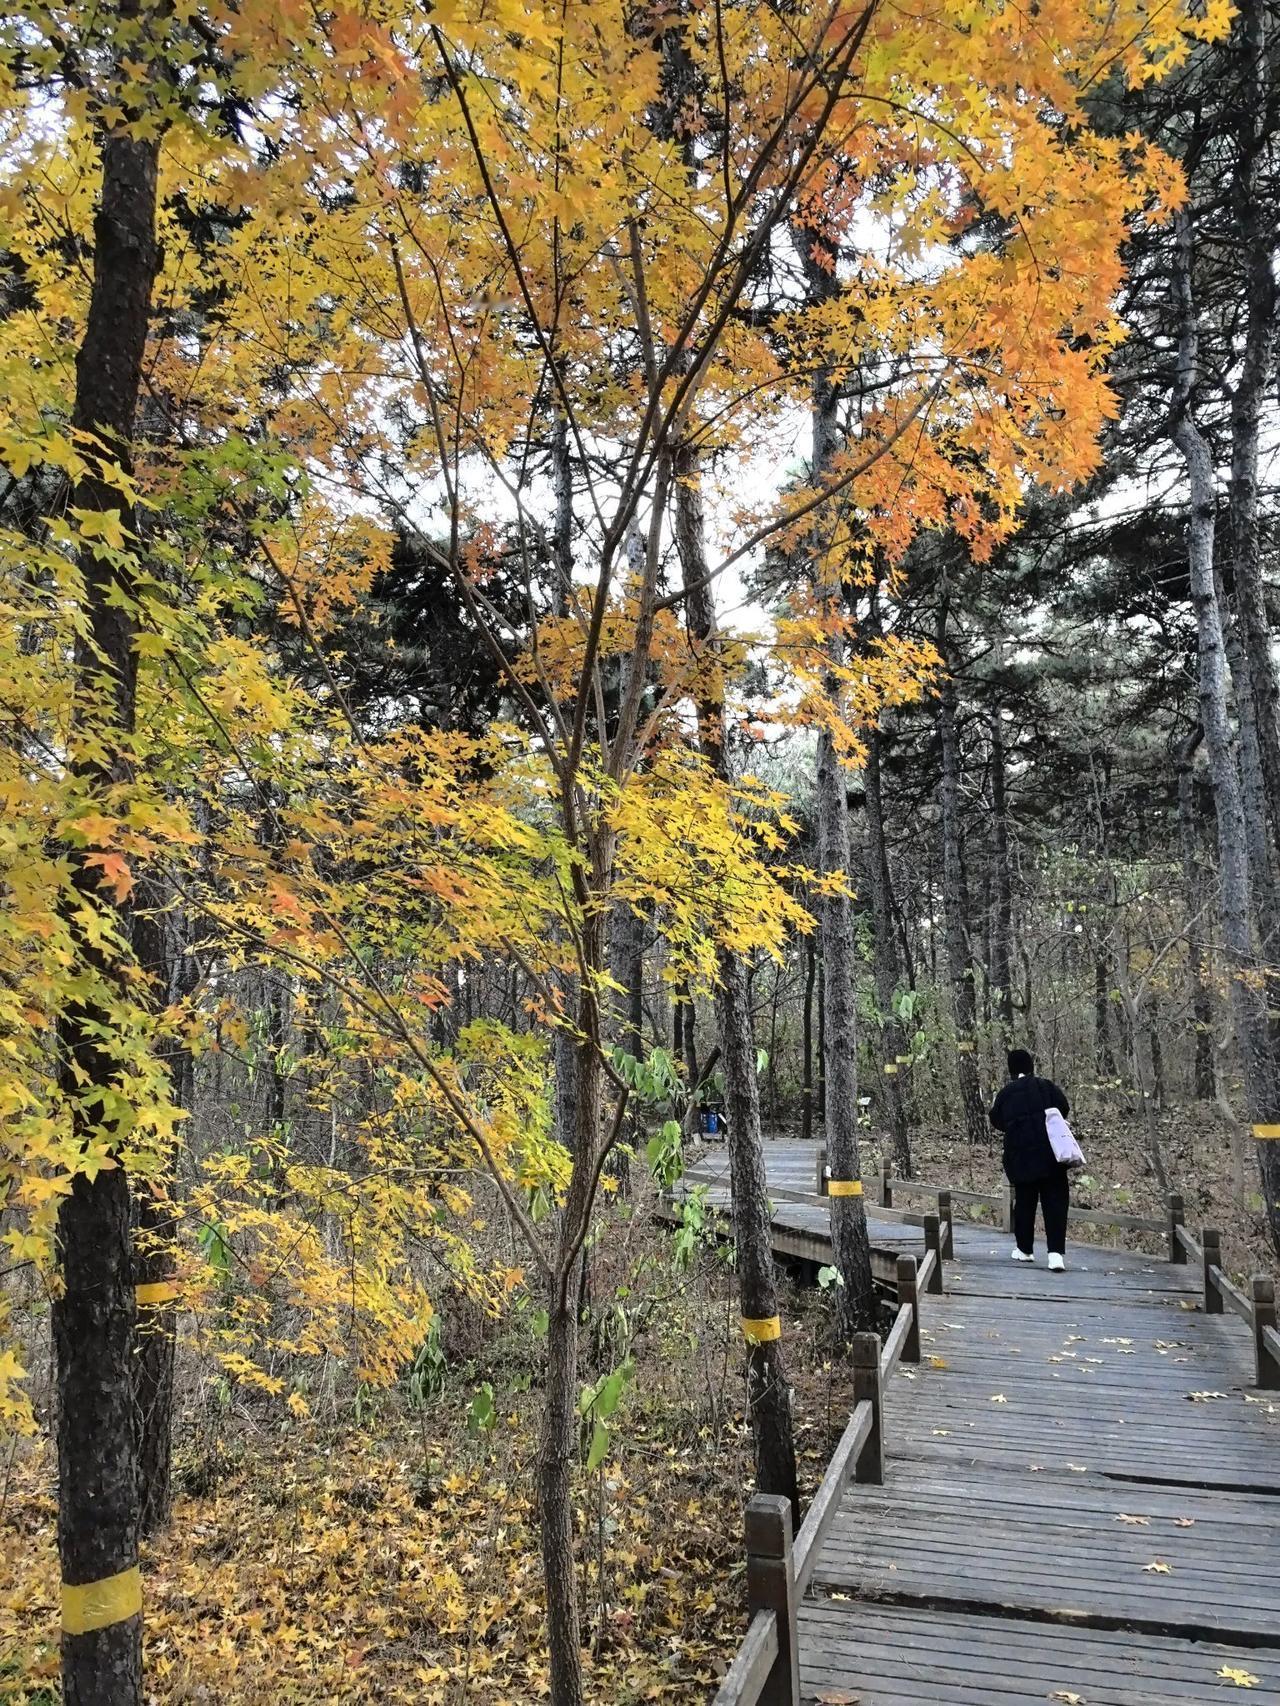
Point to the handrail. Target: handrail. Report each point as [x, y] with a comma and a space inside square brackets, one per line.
[826, 1501]
[1231, 1294]
[1188, 1243]
[747, 1675]
[922, 1188]
[891, 1355]
[778, 1570]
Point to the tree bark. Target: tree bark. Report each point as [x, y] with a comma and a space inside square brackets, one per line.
[1203, 1081]
[1255, 234]
[856, 1307]
[806, 1045]
[1248, 1003]
[94, 1315]
[959, 969]
[768, 1394]
[886, 969]
[1002, 918]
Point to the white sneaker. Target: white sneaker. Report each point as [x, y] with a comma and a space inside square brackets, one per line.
[1021, 1255]
[1056, 1263]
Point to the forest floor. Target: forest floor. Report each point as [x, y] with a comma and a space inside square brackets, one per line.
[385, 1548]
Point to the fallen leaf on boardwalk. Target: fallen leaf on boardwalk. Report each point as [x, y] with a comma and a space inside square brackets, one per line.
[1123, 1516]
[1184, 1522]
[1186, 1305]
[1066, 1696]
[1158, 1567]
[1204, 1397]
[937, 1362]
[837, 1697]
[907, 1373]
[1078, 1468]
[942, 1433]
[1238, 1678]
[998, 1398]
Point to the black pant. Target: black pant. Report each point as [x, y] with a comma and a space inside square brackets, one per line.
[1053, 1195]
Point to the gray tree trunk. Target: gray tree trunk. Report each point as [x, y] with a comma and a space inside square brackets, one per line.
[1002, 916]
[1248, 1002]
[768, 1393]
[959, 968]
[1255, 233]
[887, 970]
[1203, 1077]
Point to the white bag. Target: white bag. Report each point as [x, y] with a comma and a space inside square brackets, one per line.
[1066, 1150]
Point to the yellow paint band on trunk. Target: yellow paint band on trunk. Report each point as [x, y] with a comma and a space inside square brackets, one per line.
[156, 1291]
[761, 1332]
[890, 1070]
[1265, 1132]
[97, 1605]
[844, 1187]
[964, 1048]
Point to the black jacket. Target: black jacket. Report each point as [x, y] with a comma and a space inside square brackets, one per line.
[1018, 1111]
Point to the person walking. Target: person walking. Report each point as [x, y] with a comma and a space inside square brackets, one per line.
[1037, 1177]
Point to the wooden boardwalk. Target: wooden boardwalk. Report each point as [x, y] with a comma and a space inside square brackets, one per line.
[1080, 1498]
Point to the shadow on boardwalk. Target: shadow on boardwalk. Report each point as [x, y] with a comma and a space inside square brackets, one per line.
[1081, 1493]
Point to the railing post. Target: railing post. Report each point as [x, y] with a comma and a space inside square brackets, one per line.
[948, 1224]
[1008, 1206]
[822, 1170]
[1212, 1241]
[886, 1188]
[1177, 1218]
[1266, 1368]
[909, 1292]
[771, 1586]
[867, 1388]
[933, 1241]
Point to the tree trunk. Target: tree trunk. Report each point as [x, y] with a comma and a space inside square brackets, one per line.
[1255, 235]
[1203, 1083]
[856, 1307]
[626, 1016]
[893, 1041]
[94, 1314]
[1104, 1054]
[959, 970]
[1263, 894]
[556, 1456]
[806, 1046]
[1002, 919]
[768, 1395]
[1248, 1003]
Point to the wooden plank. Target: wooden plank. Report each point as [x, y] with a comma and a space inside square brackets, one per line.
[884, 1654]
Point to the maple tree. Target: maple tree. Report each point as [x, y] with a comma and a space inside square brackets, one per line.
[379, 266]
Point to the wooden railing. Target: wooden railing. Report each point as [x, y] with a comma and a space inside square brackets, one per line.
[1000, 1202]
[767, 1665]
[1257, 1309]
